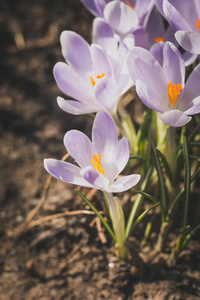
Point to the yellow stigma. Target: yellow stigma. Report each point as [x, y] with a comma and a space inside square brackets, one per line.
[173, 92]
[159, 39]
[97, 163]
[198, 24]
[129, 5]
[98, 77]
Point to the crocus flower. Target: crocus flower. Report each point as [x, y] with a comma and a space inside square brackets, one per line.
[160, 83]
[141, 8]
[88, 77]
[153, 31]
[98, 162]
[184, 17]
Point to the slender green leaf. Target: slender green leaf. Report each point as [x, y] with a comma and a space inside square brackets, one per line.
[165, 163]
[163, 200]
[136, 205]
[143, 215]
[186, 182]
[190, 235]
[147, 196]
[93, 208]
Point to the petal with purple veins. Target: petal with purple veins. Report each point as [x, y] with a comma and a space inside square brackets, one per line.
[76, 107]
[79, 147]
[94, 178]
[65, 171]
[76, 51]
[190, 41]
[120, 17]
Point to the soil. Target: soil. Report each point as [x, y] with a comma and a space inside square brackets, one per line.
[67, 257]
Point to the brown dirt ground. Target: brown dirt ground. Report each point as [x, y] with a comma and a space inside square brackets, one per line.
[64, 258]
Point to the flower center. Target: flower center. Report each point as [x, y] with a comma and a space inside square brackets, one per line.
[159, 39]
[98, 77]
[129, 5]
[97, 163]
[173, 92]
[198, 24]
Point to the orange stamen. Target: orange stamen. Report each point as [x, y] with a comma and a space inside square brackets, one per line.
[173, 92]
[159, 39]
[198, 24]
[92, 81]
[97, 163]
[129, 5]
[101, 75]
[98, 77]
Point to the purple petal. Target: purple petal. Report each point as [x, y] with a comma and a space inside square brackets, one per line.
[106, 93]
[155, 26]
[94, 178]
[76, 51]
[140, 39]
[142, 9]
[148, 97]
[173, 64]
[65, 171]
[76, 107]
[104, 132]
[120, 160]
[190, 41]
[79, 147]
[189, 58]
[101, 63]
[175, 118]
[175, 16]
[120, 17]
[192, 89]
[157, 51]
[188, 12]
[103, 35]
[123, 183]
[71, 83]
[142, 65]
[92, 6]
[194, 107]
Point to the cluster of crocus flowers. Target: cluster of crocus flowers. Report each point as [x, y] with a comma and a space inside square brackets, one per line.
[130, 46]
[99, 162]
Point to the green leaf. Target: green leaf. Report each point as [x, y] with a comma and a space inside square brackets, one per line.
[136, 205]
[147, 196]
[163, 201]
[93, 208]
[143, 215]
[186, 182]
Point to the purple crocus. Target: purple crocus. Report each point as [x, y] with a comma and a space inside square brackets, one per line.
[153, 31]
[141, 8]
[88, 77]
[98, 162]
[160, 83]
[184, 17]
